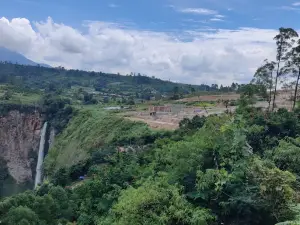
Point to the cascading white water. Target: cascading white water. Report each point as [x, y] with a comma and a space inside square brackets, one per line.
[38, 176]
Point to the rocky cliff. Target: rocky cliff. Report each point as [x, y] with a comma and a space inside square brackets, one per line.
[19, 141]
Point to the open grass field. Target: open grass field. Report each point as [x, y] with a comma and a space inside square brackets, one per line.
[18, 96]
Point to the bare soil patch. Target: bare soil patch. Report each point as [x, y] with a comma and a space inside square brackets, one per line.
[157, 124]
[210, 98]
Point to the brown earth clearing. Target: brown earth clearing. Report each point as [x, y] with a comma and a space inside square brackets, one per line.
[180, 109]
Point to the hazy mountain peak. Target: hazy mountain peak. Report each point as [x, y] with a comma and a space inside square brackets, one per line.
[14, 57]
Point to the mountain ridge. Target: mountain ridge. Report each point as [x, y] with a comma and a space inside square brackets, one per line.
[14, 57]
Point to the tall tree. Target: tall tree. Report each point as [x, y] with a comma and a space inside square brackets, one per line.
[233, 87]
[264, 77]
[284, 41]
[293, 68]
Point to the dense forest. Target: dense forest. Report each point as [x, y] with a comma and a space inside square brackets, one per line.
[92, 87]
[235, 168]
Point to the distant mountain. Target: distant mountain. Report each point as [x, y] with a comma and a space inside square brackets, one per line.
[14, 57]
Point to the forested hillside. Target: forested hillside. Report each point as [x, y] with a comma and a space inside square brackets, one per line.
[94, 86]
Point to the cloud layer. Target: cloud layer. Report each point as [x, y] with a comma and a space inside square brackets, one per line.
[209, 56]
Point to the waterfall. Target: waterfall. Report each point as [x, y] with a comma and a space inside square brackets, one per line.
[38, 175]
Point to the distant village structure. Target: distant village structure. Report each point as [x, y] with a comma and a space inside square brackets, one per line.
[174, 109]
[160, 109]
[155, 109]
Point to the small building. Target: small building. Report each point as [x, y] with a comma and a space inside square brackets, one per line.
[160, 109]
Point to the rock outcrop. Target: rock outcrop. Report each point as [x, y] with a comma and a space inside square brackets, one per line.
[19, 143]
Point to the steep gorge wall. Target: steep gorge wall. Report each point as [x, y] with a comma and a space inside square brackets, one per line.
[19, 141]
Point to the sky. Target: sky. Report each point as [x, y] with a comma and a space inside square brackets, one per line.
[188, 41]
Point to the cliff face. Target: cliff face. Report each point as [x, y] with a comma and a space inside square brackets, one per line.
[19, 141]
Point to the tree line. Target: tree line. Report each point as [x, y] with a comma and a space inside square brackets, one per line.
[285, 69]
[27, 79]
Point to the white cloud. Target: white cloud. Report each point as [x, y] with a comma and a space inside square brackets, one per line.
[16, 34]
[195, 21]
[216, 19]
[296, 4]
[219, 16]
[209, 56]
[200, 11]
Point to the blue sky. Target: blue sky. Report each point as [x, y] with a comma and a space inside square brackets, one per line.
[194, 41]
[159, 14]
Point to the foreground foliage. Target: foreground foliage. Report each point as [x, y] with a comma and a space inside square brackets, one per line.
[229, 169]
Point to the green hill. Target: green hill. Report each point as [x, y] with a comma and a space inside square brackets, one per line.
[68, 82]
[87, 131]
